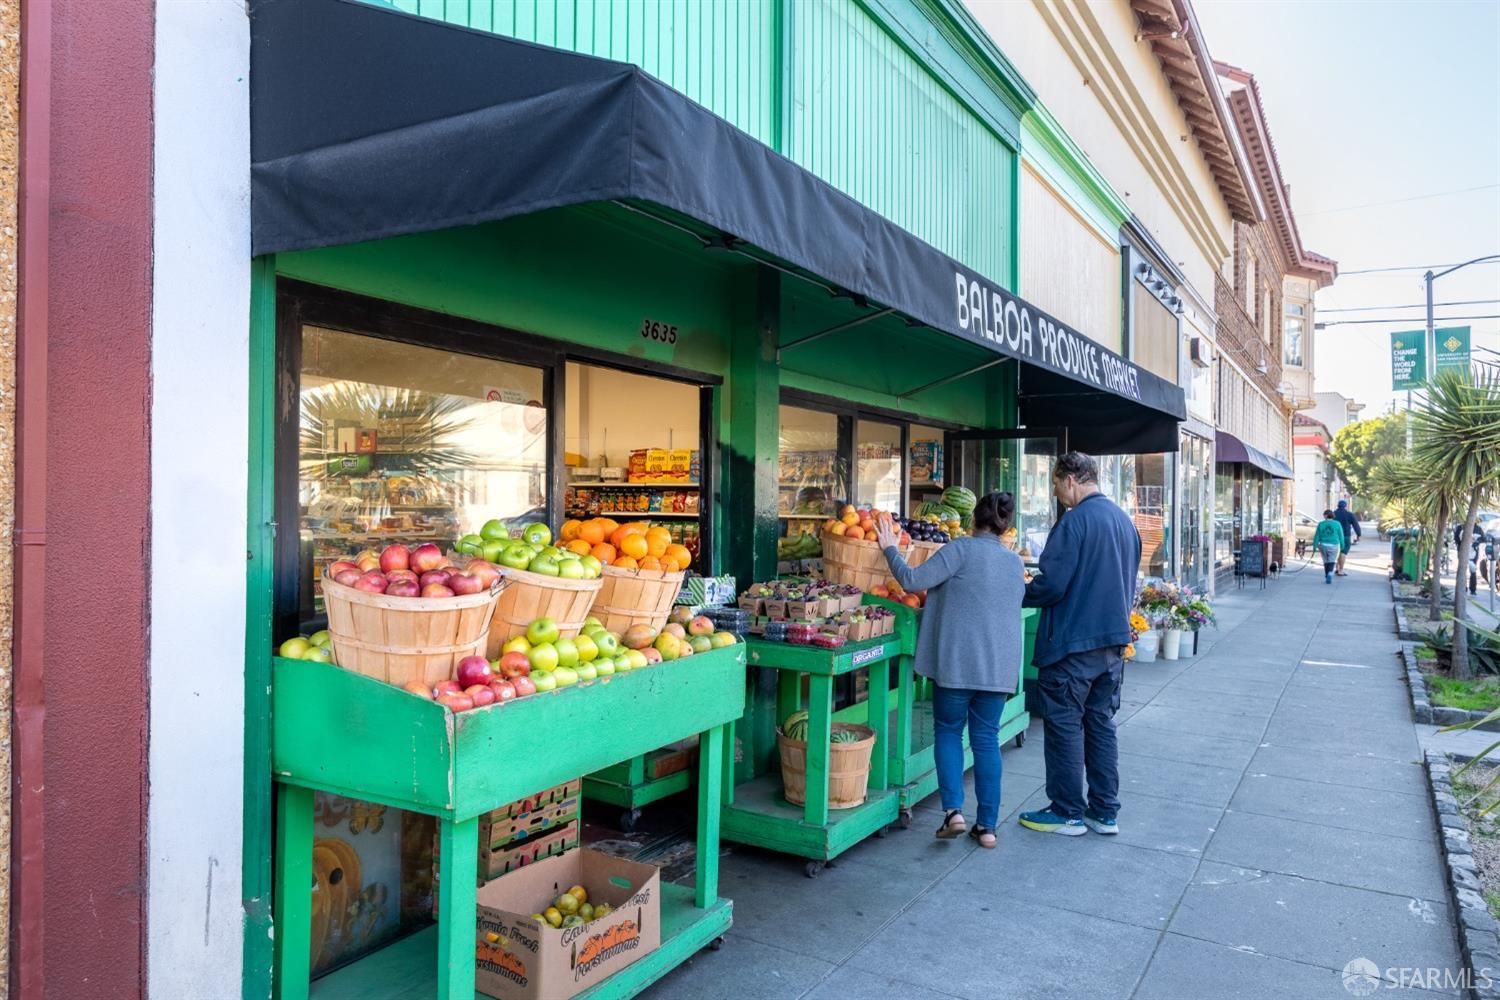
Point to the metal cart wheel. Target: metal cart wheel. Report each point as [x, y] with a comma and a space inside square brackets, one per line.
[813, 869]
[716, 943]
[1020, 740]
[905, 819]
[881, 833]
[628, 819]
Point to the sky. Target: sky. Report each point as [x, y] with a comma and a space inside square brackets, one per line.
[1380, 112]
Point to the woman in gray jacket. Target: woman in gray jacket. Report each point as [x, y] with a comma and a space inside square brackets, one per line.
[970, 645]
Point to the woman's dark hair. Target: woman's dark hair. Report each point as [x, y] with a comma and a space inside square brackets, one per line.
[1328, 515]
[993, 512]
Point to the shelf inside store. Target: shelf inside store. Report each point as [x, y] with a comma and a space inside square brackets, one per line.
[804, 517]
[616, 484]
[648, 514]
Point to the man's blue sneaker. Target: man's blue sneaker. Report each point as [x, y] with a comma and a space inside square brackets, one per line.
[1048, 821]
[1108, 827]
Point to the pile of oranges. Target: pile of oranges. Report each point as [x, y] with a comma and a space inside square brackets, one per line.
[857, 524]
[634, 545]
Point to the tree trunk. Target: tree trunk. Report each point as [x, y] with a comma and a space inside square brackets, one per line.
[1460, 666]
[1439, 540]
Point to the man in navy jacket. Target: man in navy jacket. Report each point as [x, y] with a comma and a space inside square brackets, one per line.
[1086, 588]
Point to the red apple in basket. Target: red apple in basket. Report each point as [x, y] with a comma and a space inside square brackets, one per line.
[342, 565]
[395, 557]
[446, 687]
[366, 562]
[373, 582]
[504, 690]
[456, 702]
[436, 590]
[348, 576]
[464, 583]
[480, 694]
[403, 588]
[401, 574]
[473, 670]
[515, 664]
[427, 557]
[485, 572]
[417, 688]
[523, 686]
[436, 576]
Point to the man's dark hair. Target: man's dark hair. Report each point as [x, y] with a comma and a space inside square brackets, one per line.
[1328, 514]
[1078, 465]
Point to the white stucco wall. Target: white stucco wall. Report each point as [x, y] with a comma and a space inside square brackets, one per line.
[1108, 92]
[199, 444]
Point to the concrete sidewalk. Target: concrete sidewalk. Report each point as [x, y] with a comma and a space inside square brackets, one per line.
[1275, 827]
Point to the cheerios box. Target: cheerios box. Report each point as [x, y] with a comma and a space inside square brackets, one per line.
[518, 958]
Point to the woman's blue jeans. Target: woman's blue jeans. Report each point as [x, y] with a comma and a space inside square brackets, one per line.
[952, 708]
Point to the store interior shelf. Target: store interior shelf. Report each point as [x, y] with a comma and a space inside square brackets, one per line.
[405, 969]
[804, 517]
[616, 484]
[648, 514]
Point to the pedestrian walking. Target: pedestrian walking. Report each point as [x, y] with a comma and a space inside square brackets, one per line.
[1350, 524]
[970, 646]
[1085, 588]
[1328, 539]
[1468, 556]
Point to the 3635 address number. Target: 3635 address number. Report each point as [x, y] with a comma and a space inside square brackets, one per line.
[665, 333]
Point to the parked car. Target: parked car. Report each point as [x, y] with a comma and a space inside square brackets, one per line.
[1304, 527]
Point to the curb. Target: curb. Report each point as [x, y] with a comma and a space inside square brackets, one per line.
[1409, 600]
[1422, 709]
[1478, 933]
[1404, 630]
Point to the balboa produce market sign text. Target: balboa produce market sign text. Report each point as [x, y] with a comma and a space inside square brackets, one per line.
[987, 312]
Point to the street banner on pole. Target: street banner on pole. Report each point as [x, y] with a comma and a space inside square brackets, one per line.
[1452, 348]
[1409, 359]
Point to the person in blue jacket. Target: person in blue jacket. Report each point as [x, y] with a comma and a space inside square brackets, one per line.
[1085, 588]
[1344, 516]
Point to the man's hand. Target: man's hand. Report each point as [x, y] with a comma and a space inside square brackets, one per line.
[886, 532]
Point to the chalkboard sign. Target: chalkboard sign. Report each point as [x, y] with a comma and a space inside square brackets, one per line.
[1253, 559]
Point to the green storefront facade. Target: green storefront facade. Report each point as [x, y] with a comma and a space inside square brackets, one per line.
[904, 105]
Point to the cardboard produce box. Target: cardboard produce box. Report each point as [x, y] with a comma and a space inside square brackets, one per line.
[517, 958]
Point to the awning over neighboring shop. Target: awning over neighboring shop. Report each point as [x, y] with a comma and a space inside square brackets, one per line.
[1229, 448]
[367, 123]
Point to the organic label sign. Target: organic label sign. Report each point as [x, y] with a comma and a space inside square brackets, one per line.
[1408, 359]
[868, 655]
[1452, 348]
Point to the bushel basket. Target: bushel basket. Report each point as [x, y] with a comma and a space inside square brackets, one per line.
[400, 639]
[858, 563]
[848, 767]
[921, 552]
[528, 596]
[636, 597]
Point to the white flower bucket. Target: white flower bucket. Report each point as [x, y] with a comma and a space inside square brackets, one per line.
[1145, 647]
[1171, 643]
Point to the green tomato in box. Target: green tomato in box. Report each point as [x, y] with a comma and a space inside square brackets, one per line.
[537, 533]
[574, 921]
[586, 671]
[567, 652]
[567, 904]
[587, 648]
[494, 530]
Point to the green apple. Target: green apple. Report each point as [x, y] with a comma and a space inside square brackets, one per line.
[546, 565]
[520, 644]
[603, 666]
[514, 555]
[722, 639]
[608, 643]
[294, 648]
[592, 622]
[636, 659]
[318, 654]
[586, 671]
[566, 676]
[537, 533]
[587, 648]
[567, 652]
[542, 630]
[543, 682]
[471, 544]
[547, 550]
[494, 529]
[542, 657]
[571, 569]
[320, 638]
[623, 663]
[594, 566]
[494, 551]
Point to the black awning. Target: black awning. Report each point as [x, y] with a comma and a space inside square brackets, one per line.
[1228, 448]
[367, 123]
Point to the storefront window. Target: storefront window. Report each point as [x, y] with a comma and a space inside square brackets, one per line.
[399, 443]
[1292, 334]
[1223, 514]
[1152, 512]
[1195, 518]
[813, 479]
[877, 457]
[1036, 509]
[925, 463]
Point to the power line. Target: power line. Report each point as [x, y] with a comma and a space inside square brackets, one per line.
[1400, 201]
[1411, 305]
[1409, 267]
[1401, 319]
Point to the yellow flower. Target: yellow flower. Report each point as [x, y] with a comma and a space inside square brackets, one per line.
[1138, 622]
[1130, 651]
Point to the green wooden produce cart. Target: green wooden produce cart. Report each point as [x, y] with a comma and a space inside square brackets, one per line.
[634, 783]
[340, 732]
[756, 811]
[913, 768]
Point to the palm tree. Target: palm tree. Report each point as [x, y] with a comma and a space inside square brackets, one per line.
[1457, 441]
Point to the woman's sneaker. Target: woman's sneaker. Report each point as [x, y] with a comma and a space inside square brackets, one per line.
[1108, 827]
[1048, 821]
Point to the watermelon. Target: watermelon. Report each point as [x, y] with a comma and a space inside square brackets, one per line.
[795, 726]
[960, 499]
[845, 736]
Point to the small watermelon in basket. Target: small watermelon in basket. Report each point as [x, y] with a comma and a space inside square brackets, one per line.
[795, 726]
